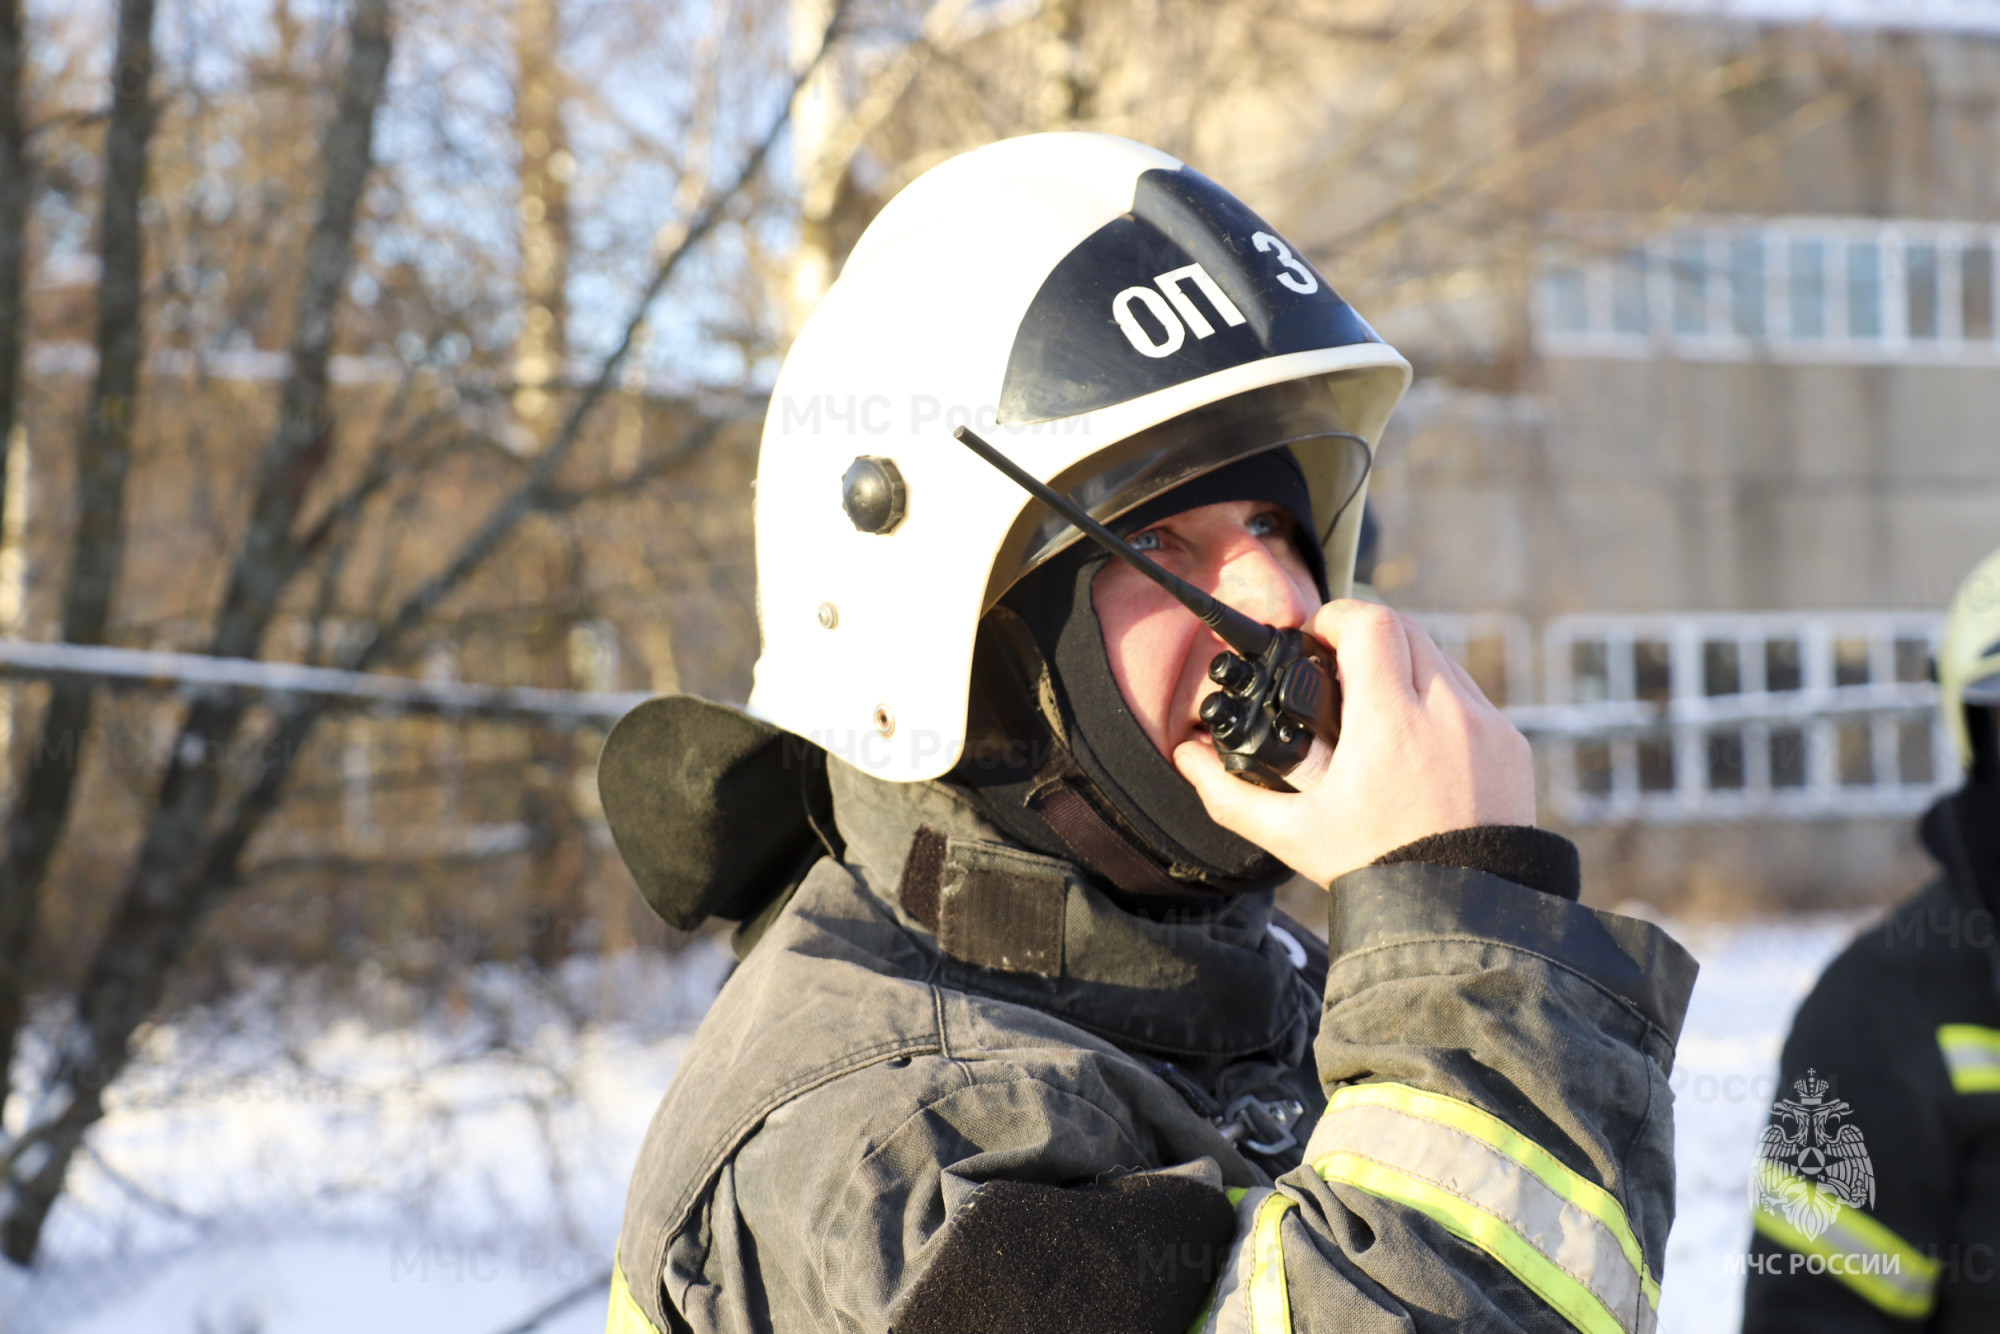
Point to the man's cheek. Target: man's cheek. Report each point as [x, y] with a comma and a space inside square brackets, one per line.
[1183, 717]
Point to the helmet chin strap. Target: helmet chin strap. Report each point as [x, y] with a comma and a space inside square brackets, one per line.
[1020, 770]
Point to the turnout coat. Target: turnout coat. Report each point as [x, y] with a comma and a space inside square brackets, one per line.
[954, 1087]
[1900, 1038]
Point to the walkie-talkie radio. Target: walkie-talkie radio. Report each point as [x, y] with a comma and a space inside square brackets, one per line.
[1279, 687]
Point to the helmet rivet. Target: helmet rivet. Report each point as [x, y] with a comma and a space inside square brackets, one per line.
[829, 616]
[873, 495]
[885, 721]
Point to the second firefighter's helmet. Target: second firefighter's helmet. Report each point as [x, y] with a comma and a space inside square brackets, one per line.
[1968, 659]
[1110, 318]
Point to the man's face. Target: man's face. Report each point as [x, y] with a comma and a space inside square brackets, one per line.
[1244, 552]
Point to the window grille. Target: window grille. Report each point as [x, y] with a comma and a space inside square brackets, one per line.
[1977, 16]
[1798, 289]
[1689, 717]
[1721, 717]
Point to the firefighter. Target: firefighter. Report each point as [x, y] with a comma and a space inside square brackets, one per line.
[1018, 1040]
[1876, 1202]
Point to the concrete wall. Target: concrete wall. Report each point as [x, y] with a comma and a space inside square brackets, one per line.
[1674, 486]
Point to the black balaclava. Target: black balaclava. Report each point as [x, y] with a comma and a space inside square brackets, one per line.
[1043, 691]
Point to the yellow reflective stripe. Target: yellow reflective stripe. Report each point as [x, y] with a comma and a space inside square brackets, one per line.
[625, 1317]
[1496, 1134]
[1972, 1054]
[1853, 1242]
[1227, 1307]
[1571, 1299]
[1270, 1303]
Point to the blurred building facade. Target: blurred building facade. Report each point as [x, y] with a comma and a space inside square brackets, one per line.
[1784, 398]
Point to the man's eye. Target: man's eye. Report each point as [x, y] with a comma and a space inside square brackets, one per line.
[1264, 525]
[1146, 541]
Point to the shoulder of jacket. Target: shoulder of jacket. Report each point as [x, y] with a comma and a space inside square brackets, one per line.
[873, 1103]
[1930, 936]
[1924, 962]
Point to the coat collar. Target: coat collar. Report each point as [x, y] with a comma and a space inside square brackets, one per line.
[1017, 926]
[1961, 832]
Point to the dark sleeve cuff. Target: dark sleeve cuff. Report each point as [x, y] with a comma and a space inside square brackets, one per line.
[1517, 852]
[1421, 905]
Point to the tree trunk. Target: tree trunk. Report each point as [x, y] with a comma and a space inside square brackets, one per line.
[153, 920]
[816, 109]
[542, 348]
[1066, 93]
[15, 182]
[103, 457]
[14, 187]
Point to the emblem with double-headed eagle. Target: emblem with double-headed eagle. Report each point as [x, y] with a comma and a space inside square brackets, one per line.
[1811, 1161]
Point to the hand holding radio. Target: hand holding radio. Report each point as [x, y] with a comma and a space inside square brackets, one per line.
[1421, 752]
[1271, 708]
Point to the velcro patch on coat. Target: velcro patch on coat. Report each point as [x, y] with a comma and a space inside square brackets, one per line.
[1002, 908]
[1135, 1256]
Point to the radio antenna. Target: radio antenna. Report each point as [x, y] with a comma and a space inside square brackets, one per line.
[1248, 637]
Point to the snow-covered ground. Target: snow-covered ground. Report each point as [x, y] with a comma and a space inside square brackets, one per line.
[460, 1165]
[296, 1163]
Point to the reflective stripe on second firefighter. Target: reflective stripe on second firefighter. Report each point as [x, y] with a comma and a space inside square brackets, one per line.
[1888, 1272]
[1972, 1054]
[1565, 1237]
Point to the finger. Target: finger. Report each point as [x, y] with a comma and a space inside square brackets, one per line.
[1453, 668]
[1431, 663]
[1427, 660]
[1371, 648]
[1317, 761]
[1465, 680]
[1468, 686]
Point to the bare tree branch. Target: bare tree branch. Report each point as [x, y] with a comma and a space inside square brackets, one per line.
[98, 544]
[146, 934]
[533, 494]
[1479, 179]
[556, 500]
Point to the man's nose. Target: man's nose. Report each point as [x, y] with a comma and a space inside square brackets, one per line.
[1250, 578]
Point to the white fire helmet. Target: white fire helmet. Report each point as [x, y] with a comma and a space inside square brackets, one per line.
[1968, 660]
[1109, 318]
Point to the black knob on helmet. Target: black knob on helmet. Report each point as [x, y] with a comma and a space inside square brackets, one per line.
[873, 495]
